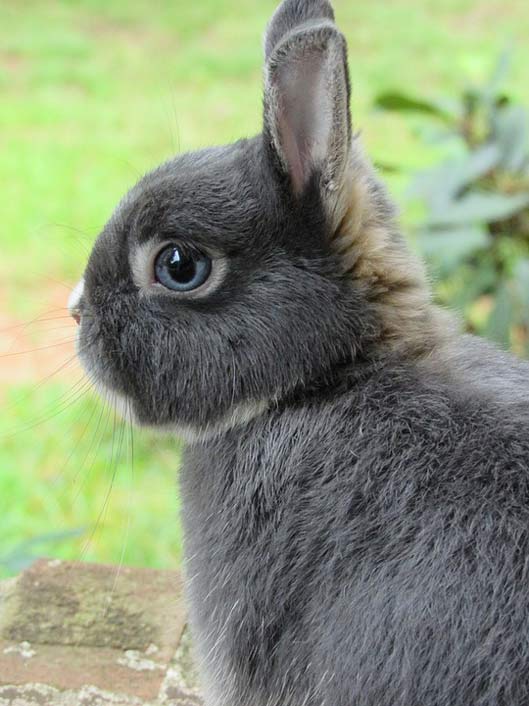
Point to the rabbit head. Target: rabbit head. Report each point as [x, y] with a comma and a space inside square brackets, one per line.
[231, 277]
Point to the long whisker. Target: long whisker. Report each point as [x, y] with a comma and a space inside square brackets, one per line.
[71, 399]
[94, 529]
[24, 326]
[36, 320]
[61, 324]
[114, 457]
[95, 445]
[128, 423]
[23, 398]
[64, 466]
[78, 234]
[67, 286]
[40, 348]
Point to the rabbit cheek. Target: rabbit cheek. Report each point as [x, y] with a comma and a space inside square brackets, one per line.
[102, 376]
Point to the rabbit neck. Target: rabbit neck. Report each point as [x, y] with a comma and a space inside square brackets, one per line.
[375, 256]
[237, 417]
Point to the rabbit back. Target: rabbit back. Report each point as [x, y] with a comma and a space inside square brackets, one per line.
[368, 547]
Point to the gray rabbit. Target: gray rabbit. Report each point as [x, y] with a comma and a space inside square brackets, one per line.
[356, 480]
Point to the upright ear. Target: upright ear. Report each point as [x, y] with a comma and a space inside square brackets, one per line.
[306, 103]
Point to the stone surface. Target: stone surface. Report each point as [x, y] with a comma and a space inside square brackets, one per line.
[91, 635]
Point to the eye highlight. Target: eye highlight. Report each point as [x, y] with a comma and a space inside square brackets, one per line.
[181, 270]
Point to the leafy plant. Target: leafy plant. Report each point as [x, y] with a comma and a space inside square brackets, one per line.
[24, 553]
[475, 224]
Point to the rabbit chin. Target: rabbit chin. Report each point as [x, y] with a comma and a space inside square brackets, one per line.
[238, 416]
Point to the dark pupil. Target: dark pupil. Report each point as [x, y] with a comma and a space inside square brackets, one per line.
[181, 269]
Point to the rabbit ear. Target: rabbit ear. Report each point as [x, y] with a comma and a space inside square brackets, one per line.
[290, 15]
[306, 102]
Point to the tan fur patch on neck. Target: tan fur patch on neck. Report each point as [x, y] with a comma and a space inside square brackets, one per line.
[390, 276]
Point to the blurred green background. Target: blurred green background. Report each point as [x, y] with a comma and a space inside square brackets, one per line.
[93, 94]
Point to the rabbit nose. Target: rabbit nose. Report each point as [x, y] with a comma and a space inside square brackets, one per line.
[74, 301]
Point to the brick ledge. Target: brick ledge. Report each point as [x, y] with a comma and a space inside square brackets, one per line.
[74, 634]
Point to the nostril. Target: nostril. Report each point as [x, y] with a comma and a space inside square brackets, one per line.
[75, 300]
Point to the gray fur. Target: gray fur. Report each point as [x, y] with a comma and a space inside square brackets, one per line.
[355, 500]
[291, 15]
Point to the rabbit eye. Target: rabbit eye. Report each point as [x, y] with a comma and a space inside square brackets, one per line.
[180, 270]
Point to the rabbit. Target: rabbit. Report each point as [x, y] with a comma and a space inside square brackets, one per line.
[355, 481]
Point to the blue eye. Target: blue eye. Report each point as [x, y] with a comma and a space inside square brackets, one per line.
[180, 270]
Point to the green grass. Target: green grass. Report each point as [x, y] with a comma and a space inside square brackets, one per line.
[68, 464]
[96, 92]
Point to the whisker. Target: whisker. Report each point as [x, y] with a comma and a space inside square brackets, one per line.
[131, 437]
[128, 423]
[64, 326]
[27, 395]
[36, 320]
[78, 234]
[114, 456]
[64, 466]
[95, 441]
[23, 398]
[67, 286]
[72, 398]
[29, 323]
[40, 348]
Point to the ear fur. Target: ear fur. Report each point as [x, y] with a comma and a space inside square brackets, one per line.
[292, 14]
[306, 103]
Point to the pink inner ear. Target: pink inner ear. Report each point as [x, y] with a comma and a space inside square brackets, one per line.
[292, 152]
[303, 122]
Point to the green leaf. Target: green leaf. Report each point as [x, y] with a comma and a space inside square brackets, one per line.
[441, 185]
[521, 289]
[498, 327]
[479, 207]
[448, 247]
[399, 102]
[510, 127]
[25, 553]
[435, 135]
[499, 73]
[472, 283]
[488, 96]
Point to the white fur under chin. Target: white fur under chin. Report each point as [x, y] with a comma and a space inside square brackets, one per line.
[119, 402]
[238, 416]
